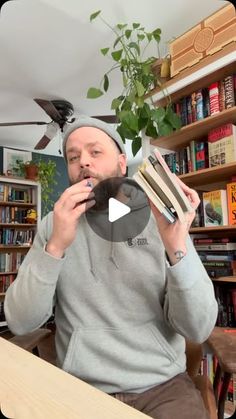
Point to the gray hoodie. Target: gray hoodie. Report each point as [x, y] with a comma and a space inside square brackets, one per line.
[121, 311]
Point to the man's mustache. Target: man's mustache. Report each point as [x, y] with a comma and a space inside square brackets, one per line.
[87, 173]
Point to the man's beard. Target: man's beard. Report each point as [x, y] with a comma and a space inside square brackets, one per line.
[87, 173]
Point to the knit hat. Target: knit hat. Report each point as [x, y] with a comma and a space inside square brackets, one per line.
[86, 121]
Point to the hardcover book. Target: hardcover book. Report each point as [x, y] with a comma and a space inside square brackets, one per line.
[215, 208]
[222, 145]
[162, 188]
[231, 199]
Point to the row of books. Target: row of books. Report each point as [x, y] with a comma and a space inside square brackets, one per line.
[217, 208]
[208, 101]
[13, 214]
[17, 193]
[5, 282]
[226, 299]
[218, 148]
[10, 236]
[10, 262]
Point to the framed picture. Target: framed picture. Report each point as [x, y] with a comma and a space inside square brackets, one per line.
[11, 158]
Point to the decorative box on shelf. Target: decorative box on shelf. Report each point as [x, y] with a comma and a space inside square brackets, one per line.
[206, 38]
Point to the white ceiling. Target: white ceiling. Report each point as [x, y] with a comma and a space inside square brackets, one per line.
[50, 50]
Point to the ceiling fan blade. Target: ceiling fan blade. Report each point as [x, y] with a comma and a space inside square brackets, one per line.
[51, 131]
[11, 124]
[49, 108]
[110, 119]
[42, 143]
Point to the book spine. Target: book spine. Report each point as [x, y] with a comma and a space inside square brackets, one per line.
[194, 106]
[208, 240]
[199, 105]
[229, 92]
[222, 95]
[231, 199]
[214, 98]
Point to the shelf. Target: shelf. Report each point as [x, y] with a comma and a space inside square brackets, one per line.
[8, 273]
[224, 279]
[196, 130]
[210, 175]
[17, 225]
[6, 247]
[17, 204]
[206, 230]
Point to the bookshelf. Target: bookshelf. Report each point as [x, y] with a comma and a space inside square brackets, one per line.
[209, 70]
[17, 196]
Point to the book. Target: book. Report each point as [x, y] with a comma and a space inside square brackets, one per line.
[222, 145]
[216, 246]
[162, 187]
[231, 201]
[215, 208]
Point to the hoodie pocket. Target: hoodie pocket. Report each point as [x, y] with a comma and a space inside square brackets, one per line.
[113, 359]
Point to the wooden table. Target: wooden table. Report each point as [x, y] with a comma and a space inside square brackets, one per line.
[33, 388]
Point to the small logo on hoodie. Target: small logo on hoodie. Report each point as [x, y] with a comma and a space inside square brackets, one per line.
[138, 241]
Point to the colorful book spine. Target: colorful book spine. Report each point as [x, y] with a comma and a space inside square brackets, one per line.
[231, 200]
[214, 98]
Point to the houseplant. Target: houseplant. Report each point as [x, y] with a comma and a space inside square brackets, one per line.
[45, 173]
[136, 114]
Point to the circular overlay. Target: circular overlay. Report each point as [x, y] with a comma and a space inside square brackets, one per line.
[122, 200]
[203, 39]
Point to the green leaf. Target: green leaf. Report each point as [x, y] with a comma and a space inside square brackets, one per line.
[139, 88]
[128, 33]
[117, 41]
[139, 101]
[93, 93]
[135, 46]
[125, 132]
[116, 55]
[104, 51]
[130, 120]
[140, 36]
[157, 34]
[136, 145]
[149, 36]
[158, 114]
[115, 103]
[165, 129]
[173, 118]
[151, 130]
[94, 15]
[136, 25]
[106, 83]
[121, 26]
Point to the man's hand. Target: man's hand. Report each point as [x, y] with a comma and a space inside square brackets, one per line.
[174, 235]
[66, 213]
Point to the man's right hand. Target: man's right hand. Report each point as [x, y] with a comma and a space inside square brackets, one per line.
[66, 213]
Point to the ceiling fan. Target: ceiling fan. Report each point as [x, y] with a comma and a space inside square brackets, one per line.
[60, 111]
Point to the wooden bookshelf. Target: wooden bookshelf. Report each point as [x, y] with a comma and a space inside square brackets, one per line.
[17, 225]
[210, 175]
[217, 229]
[198, 129]
[225, 279]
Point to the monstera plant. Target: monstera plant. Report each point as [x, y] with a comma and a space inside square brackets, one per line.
[135, 111]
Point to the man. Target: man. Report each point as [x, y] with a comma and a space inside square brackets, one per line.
[122, 313]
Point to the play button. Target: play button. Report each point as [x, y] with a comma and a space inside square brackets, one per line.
[121, 211]
[116, 210]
